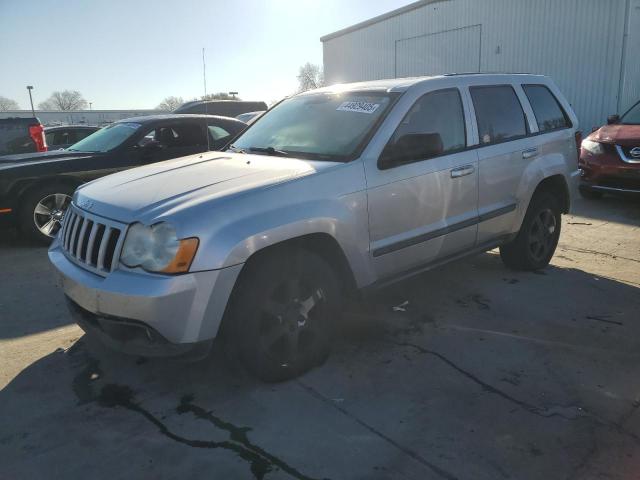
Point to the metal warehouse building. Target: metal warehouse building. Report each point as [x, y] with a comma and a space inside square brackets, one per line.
[591, 48]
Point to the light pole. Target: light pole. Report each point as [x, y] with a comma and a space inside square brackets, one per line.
[233, 94]
[90, 103]
[29, 88]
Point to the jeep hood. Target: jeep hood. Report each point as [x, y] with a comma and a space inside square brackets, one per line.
[625, 135]
[145, 193]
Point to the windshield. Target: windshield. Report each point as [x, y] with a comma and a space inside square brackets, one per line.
[106, 138]
[632, 117]
[324, 126]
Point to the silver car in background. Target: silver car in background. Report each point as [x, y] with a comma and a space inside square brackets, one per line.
[250, 117]
[336, 190]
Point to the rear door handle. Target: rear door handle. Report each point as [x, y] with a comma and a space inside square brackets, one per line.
[462, 171]
[530, 153]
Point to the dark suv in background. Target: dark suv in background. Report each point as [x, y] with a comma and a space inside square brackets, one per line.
[225, 108]
[36, 188]
[610, 157]
[21, 135]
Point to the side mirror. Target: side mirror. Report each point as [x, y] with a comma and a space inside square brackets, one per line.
[613, 119]
[412, 146]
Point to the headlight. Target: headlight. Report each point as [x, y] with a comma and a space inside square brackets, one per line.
[594, 148]
[157, 249]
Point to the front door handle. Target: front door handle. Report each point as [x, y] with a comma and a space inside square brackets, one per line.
[462, 171]
[530, 153]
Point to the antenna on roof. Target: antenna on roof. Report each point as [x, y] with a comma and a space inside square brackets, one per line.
[206, 124]
[204, 74]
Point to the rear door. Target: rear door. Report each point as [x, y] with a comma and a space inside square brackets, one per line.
[504, 151]
[424, 207]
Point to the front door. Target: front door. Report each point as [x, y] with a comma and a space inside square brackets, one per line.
[423, 193]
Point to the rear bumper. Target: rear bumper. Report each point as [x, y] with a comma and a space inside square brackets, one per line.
[129, 305]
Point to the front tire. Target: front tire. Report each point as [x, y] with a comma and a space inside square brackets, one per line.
[536, 242]
[282, 314]
[40, 217]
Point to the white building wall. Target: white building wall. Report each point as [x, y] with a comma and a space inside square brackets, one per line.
[79, 117]
[579, 43]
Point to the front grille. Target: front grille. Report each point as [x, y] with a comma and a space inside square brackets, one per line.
[91, 242]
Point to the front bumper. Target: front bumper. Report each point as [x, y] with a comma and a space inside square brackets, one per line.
[170, 310]
[608, 173]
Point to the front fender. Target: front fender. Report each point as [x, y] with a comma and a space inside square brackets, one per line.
[274, 216]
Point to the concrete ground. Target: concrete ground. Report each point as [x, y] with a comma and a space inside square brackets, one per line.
[478, 373]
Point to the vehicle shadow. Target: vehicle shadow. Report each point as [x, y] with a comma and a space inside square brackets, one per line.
[448, 335]
[614, 208]
[30, 300]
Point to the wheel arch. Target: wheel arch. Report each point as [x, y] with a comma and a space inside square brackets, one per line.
[320, 243]
[558, 186]
[21, 189]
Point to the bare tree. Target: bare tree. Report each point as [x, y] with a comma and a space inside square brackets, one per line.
[219, 96]
[66, 100]
[7, 104]
[310, 76]
[170, 103]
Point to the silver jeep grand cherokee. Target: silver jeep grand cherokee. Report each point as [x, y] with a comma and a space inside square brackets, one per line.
[333, 190]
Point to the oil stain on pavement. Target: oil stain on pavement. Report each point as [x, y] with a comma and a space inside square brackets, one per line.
[114, 395]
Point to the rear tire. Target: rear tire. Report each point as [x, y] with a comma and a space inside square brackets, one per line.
[42, 211]
[588, 194]
[536, 242]
[282, 314]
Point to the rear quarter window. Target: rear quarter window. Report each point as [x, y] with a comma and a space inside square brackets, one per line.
[546, 108]
[499, 114]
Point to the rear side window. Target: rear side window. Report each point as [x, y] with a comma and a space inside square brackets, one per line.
[434, 126]
[548, 112]
[499, 114]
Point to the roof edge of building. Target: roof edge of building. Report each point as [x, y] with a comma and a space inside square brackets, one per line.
[379, 18]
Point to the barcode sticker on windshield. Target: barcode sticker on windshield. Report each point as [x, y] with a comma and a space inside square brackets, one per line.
[359, 107]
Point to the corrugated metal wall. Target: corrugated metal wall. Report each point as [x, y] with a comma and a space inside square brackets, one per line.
[630, 81]
[579, 43]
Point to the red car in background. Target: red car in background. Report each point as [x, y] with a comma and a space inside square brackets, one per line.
[610, 157]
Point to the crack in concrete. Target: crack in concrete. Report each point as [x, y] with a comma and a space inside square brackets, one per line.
[237, 434]
[416, 456]
[595, 252]
[113, 395]
[556, 411]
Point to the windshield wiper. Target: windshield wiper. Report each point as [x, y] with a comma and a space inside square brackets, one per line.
[235, 149]
[269, 151]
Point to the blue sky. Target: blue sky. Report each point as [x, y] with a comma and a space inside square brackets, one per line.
[132, 54]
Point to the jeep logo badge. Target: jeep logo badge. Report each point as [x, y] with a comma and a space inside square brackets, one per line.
[85, 204]
[635, 152]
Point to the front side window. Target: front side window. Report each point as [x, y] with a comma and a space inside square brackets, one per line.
[175, 136]
[434, 126]
[548, 112]
[632, 117]
[107, 138]
[499, 114]
[323, 126]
